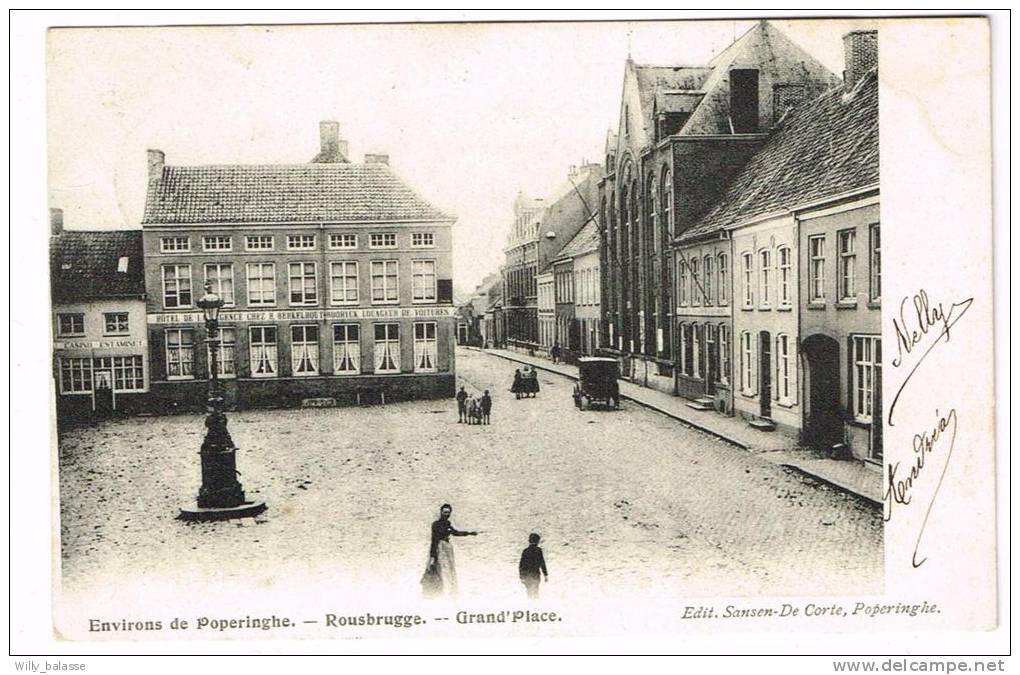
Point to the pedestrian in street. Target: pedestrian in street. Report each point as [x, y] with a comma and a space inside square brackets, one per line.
[461, 405]
[441, 550]
[486, 407]
[555, 353]
[532, 566]
[517, 387]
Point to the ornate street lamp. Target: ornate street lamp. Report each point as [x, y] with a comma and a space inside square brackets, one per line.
[221, 496]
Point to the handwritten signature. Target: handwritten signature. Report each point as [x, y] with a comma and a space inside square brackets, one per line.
[899, 487]
[913, 327]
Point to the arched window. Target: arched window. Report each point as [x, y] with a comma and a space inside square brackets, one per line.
[652, 223]
[724, 279]
[707, 279]
[667, 202]
[635, 215]
[695, 283]
[681, 275]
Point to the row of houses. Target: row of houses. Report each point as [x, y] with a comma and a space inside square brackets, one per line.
[737, 242]
[336, 279]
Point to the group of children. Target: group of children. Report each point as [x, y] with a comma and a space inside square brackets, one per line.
[473, 410]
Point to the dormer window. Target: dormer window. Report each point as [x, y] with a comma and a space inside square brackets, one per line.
[744, 101]
[122, 264]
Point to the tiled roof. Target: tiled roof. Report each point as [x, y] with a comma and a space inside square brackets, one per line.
[84, 265]
[823, 148]
[284, 193]
[585, 241]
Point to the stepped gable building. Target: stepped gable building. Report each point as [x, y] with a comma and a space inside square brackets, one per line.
[336, 278]
[541, 228]
[100, 354]
[683, 132]
[800, 223]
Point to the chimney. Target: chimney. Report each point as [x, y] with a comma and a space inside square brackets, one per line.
[331, 148]
[860, 54]
[56, 222]
[377, 159]
[156, 160]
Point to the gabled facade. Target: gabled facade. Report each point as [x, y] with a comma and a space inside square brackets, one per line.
[100, 351]
[683, 133]
[336, 277]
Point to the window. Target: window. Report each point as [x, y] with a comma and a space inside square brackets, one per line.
[115, 323]
[225, 355]
[711, 367]
[384, 281]
[346, 349]
[423, 281]
[217, 242]
[652, 222]
[425, 347]
[300, 242]
[70, 324]
[180, 353]
[667, 201]
[221, 278]
[724, 353]
[343, 283]
[387, 348]
[175, 244]
[699, 363]
[786, 371]
[867, 358]
[382, 240]
[747, 381]
[343, 241]
[724, 279]
[707, 283]
[748, 280]
[683, 348]
[303, 284]
[847, 265]
[75, 376]
[176, 286]
[127, 372]
[262, 343]
[785, 272]
[695, 283]
[682, 283]
[766, 276]
[262, 284]
[875, 264]
[304, 350]
[258, 242]
[423, 239]
[816, 267]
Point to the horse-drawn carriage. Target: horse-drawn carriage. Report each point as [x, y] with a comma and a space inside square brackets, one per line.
[597, 382]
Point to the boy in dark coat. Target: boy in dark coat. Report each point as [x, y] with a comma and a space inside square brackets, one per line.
[486, 406]
[461, 406]
[532, 565]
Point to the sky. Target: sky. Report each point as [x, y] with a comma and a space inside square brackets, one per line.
[470, 114]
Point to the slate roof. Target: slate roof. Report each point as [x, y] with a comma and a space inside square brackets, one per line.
[585, 241]
[284, 193]
[823, 148]
[84, 265]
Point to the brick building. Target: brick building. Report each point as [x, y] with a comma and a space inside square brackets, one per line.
[800, 223]
[100, 350]
[683, 133]
[336, 278]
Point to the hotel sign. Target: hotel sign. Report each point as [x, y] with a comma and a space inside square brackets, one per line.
[272, 315]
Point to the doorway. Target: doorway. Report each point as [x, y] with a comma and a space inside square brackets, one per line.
[102, 388]
[765, 373]
[823, 426]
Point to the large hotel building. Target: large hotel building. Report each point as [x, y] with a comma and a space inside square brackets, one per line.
[336, 278]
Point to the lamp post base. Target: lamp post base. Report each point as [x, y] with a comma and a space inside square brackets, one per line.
[244, 510]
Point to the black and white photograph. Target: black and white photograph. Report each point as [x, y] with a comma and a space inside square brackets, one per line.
[520, 329]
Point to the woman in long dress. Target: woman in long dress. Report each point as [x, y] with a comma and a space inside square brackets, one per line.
[441, 550]
[518, 386]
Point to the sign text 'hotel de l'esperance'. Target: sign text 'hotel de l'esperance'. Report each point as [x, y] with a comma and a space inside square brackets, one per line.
[305, 315]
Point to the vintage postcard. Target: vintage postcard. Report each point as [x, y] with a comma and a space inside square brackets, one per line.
[526, 329]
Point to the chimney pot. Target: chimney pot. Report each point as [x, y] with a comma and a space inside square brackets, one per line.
[860, 54]
[56, 222]
[377, 158]
[156, 160]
